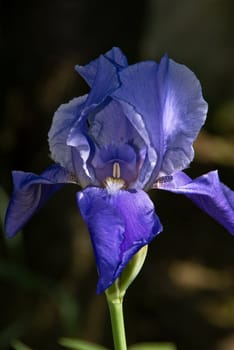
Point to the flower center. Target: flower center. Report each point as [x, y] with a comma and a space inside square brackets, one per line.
[110, 159]
[116, 170]
[114, 183]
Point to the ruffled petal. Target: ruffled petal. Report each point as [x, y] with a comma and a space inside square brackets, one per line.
[63, 120]
[119, 225]
[70, 145]
[31, 192]
[116, 56]
[106, 81]
[89, 71]
[149, 154]
[184, 113]
[106, 135]
[139, 90]
[71, 157]
[111, 125]
[168, 96]
[208, 193]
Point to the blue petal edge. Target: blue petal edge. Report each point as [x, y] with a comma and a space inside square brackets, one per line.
[89, 71]
[168, 96]
[30, 193]
[208, 193]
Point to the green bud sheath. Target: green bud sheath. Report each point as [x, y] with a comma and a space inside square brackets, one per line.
[116, 291]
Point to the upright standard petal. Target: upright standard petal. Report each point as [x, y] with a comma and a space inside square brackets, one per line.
[103, 127]
[106, 81]
[208, 193]
[119, 225]
[30, 193]
[184, 113]
[143, 107]
[89, 71]
[70, 144]
[63, 120]
[168, 96]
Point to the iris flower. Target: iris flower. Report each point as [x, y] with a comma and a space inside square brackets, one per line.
[131, 133]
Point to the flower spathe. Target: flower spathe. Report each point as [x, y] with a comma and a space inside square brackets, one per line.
[132, 132]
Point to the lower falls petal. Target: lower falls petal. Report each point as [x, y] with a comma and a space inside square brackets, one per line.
[31, 192]
[119, 225]
[208, 193]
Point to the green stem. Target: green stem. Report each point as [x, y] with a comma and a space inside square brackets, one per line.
[115, 294]
[117, 322]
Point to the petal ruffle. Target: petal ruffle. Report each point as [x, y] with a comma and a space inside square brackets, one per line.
[69, 143]
[110, 125]
[89, 71]
[149, 159]
[119, 225]
[31, 192]
[105, 82]
[168, 96]
[184, 113]
[208, 193]
[143, 107]
[63, 120]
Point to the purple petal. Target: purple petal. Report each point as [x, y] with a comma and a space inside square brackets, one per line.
[208, 193]
[119, 225]
[143, 107]
[123, 154]
[116, 56]
[30, 193]
[89, 71]
[82, 150]
[111, 125]
[168, 97]
[149, 159]
[71, 157]
[106, 81]
[184, 113]
[64, 119]
[68, 139]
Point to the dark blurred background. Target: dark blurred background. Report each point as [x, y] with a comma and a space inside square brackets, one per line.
[185, 292]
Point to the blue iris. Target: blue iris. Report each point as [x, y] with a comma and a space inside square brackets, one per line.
[133, 132]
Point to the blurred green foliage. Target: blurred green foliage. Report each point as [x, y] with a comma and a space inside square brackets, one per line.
[80, 344]
[83, 345]
[153, 346]
[18, 345]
